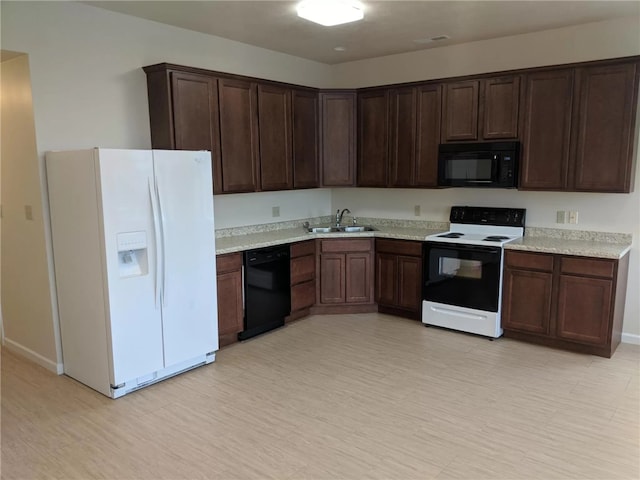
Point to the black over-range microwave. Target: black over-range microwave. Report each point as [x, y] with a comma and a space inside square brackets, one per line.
[490, 164]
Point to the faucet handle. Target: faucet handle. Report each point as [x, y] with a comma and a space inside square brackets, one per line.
[355, 220]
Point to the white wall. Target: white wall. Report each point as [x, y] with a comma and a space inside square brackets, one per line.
[256, 208]
[27, 311]
[592, 41]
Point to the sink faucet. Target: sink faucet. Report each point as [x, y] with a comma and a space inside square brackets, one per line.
[339, 215]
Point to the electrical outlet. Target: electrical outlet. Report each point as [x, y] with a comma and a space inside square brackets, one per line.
[275, 211]
[561, 216]
[416, 210]
[28, 212]
[573, 216]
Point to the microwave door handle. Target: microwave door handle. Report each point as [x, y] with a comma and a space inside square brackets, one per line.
[495, 174]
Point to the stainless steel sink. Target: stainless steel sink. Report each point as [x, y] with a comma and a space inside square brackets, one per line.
[340, 229]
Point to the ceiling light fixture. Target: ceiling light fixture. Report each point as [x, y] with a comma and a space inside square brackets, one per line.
[330, 12]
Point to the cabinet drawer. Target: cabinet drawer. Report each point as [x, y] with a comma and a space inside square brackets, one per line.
[345, 246]
[228, 262]
[303, 269]
[532, 261]
[303, 296]
[301, 249]
[592, 267]
[399, 247]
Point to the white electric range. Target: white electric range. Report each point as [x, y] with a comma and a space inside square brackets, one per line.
[462, 287]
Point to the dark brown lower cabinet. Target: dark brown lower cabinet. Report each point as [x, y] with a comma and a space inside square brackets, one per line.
[303, 278]
[345, 275]
[398, 285]
[576, 303]
[230, 307]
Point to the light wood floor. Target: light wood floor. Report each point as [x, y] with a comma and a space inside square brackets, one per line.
[339, 397]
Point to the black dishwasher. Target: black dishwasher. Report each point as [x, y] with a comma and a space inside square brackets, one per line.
[267, 290]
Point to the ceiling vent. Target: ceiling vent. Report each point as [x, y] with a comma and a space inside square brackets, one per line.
[438, 38]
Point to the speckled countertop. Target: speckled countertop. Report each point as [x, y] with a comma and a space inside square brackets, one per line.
[544, 240]
[573, 242]
[246, 238]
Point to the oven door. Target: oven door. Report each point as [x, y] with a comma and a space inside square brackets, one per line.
[462, 275]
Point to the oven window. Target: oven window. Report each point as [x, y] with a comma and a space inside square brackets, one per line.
[462, 275]
[469, 168]
[458, 267]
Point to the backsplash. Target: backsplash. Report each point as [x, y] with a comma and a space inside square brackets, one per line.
[554, 233]
[584, 235]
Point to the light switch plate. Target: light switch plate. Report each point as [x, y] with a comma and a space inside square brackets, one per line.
[275, 211]
[561, 216]
[416, 210]
[28, 212]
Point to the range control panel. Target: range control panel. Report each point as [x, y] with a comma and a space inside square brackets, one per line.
[506, 217]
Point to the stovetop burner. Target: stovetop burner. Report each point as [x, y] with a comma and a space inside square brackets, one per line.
[451, 235]
[495, 238]
[491, 227]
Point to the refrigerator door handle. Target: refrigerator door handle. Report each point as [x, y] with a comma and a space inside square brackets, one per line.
[162, 257]
[156, 231]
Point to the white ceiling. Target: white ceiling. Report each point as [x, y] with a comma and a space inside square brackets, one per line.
[389, 27]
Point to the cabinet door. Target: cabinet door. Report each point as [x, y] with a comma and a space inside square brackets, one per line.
[460, 111]
[238, 136]
[303, 269]
[373, 144]
[230, 315]
[429, 108]
[230, 306]
[338, 138]
[500, 102]
[386, 279]
[605, 128]
[545, 132]
[332, 278]
[305, 139]
[526, 301]
[274, 129]
[409, 283]
[358, 278]
[402, 157]
[195, 117]
[584, 309]
[303, 295]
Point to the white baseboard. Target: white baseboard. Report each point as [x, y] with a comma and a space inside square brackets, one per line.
[631, 338]
[35, 357]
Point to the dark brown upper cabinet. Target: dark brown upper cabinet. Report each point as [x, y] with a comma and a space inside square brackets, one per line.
[239, 161]
[576, 125]
[604, 127]
[500, 102]
[428, 111]
[578, 129]
[274, 131]
[479, 110]
[373, 138]
[338, 138]
[183, 113]
[402, 137]
[546, 129]
[305, 138]
[414, 135]
[460, 111]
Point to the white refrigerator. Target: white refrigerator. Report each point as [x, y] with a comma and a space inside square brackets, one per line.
[134, 257]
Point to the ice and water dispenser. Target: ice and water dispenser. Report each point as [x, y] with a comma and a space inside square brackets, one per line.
[132, 254]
